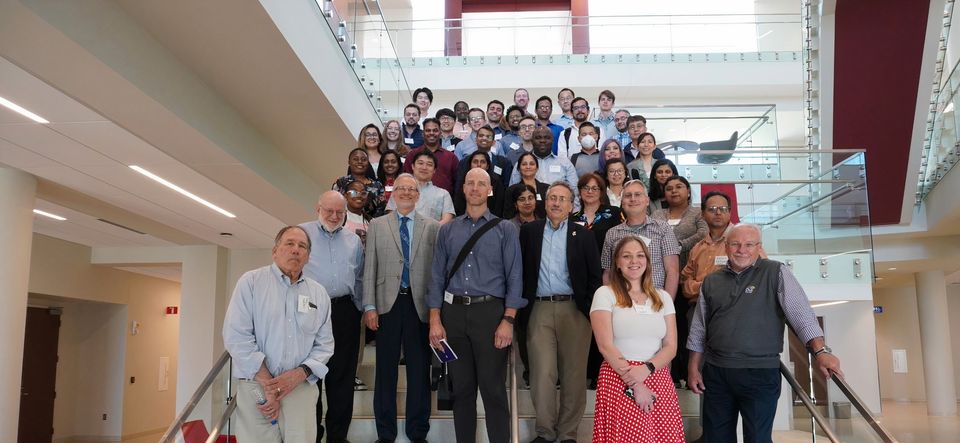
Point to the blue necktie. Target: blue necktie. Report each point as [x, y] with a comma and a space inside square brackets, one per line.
[405, 246]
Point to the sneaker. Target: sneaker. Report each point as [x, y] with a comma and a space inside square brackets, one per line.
[358, 384]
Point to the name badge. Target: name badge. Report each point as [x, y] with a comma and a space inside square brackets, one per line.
[555, 168]
[408, 141]
[514, 146]
[720, 260]
[497, 170]
[451, 148]
[490, 193]
[581, 223]
[498, 136]
[448, 297]
[303, 303]
[539, 198]
[388, 188]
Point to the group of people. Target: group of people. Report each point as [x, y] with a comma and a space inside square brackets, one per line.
[472, 230]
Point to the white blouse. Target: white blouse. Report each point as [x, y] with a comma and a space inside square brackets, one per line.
[638, 331]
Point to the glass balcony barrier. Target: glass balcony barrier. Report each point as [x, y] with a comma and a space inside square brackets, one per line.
[942, 145]
[362, 35]
[209, 416]
[559, 33]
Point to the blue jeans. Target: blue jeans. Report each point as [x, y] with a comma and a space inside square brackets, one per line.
[749, 392]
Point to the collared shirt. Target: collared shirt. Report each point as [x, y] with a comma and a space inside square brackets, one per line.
[414, 138]
[793, 301]
[493, 267]
[659, 238]
[622, 137]
[508, 141]
[706, 257]
[567, 149]
[446, 170]
[448, 142]
[554, 278]
[461, 130]
[514, 154]
[564, 121]
[606, 125]
[433, 203]
[556, 130]
[550, 169]
[266, 323]
[410, 230]
[336, 261]
[468, 146]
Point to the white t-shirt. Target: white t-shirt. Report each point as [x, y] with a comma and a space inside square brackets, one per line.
[638, 331]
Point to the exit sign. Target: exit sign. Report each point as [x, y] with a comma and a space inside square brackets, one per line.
[173, 310]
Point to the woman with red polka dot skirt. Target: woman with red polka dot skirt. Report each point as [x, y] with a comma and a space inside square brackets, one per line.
[636, 331]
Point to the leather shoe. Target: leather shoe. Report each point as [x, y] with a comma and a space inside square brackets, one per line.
[540, 439]
[568, 441]
[383, 440]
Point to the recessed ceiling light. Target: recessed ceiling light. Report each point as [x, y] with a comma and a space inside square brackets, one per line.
[891, 269]
[829, 303]
[22, 111]
[182, 191]
[47, 214]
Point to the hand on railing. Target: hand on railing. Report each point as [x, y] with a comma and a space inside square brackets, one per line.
[827, 363]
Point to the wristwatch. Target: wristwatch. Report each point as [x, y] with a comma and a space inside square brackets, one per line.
[509, 319]
[306, 370]
[651, 367]
[824, 350]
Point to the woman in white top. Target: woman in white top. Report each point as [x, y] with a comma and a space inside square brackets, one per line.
[636, 331]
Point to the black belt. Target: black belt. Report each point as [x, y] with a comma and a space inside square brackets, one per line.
[405, 291]
[555, 298]
[467, 300]
[335, 300]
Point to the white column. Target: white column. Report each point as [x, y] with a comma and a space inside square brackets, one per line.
[935, 342]
[202, 306]
[16, 234]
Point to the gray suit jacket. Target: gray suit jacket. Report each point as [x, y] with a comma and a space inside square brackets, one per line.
[384, 262]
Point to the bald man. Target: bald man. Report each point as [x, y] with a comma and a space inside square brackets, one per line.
[336, 262]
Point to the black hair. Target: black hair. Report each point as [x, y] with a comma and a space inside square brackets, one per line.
[445, 112]
[655, 190]
[423, 89]
[707, 196]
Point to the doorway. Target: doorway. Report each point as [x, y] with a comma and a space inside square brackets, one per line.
[39, 377]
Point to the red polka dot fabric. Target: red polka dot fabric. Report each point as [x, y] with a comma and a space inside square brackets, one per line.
[618, 419]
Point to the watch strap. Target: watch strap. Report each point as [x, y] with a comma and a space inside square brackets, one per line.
[306, 370]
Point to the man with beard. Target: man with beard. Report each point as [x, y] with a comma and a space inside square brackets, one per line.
[446, 172]
[569, 143]
[551, 167]
[412, 134]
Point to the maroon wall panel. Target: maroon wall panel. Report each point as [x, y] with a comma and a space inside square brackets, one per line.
[879, 46]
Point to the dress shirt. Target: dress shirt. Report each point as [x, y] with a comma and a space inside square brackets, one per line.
[448, 142]
[508, 141]
[660, 240]
[414, 138]
[468, 146]
[434, 201]
[264, 325]
[622, 137]
[606, 125]
[514, 154]
[702, 262]
[564, 121]
[793, 301]
[446, 167]
[554, 278]
[494, 266]
[461, 130]
[336, 261]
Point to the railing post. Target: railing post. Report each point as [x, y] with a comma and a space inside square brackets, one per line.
[514, 402]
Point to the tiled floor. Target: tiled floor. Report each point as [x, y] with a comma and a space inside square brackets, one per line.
[908, 422]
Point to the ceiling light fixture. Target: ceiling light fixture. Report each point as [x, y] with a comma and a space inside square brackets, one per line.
[830, 303]
[22, 111]
[891, 269]
[47, 214]
[182, 191]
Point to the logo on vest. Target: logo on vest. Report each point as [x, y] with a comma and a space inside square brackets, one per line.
[750, 289]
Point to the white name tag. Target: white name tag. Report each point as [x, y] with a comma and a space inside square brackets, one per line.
[388, 188]
[303, 303]
[514, 146]
[451, 148]
[720, 260]
[448, 297]
[408, 141]
[581, 223]
[555, 168]
[490, 194]
[497, 170]
[498, 136]
[539, 198]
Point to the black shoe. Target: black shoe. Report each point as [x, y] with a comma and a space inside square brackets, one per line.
[568, 441]
[591, 384]
[540, 439]
[383, 440]
[420, 440]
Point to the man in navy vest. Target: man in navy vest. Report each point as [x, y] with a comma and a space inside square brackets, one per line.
[737, 335]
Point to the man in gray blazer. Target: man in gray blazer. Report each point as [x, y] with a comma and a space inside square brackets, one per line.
[399, 255]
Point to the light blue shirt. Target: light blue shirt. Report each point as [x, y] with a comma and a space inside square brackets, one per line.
[606, 125]
[433, 203]
[267, 324]
[468, 146]
[550, 169]
[554, 278]
[508, 141]
[336, 261]
[564, 121]
[622, 137]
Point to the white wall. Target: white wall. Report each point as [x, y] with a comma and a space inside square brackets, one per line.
[849, 329]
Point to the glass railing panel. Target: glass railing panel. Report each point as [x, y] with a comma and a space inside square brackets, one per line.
[203, 412]
[429, 35]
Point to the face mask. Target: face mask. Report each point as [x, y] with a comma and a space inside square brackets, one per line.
[588, 142]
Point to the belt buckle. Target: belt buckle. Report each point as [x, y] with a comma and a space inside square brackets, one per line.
[467, 300]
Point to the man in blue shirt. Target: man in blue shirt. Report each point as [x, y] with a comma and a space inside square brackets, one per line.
[279, 361]
[565, 100]
[604, 121]
[544, 108]
[561, 270]
[336, 262]
[476, 311]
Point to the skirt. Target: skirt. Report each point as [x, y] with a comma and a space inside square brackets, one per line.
[618, 419]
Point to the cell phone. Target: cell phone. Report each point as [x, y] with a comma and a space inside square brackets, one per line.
[629, 392]
[446, 355]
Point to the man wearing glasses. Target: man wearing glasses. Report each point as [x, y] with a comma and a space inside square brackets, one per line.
[737, 336]
[543, 109]
[447, 119]
[569, 143]
[551, 167]
[527, 125]
[396, 273]
[477, 120]
[446, 167]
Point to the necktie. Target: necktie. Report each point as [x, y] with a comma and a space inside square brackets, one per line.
[405, 246]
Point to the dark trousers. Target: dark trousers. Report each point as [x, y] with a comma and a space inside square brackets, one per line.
[338, 384]
[678, 367]
[750, 392]
[470, 332]
[401, 327]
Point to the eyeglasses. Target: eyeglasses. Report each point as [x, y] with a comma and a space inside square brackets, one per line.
[558, 199]
[527, 127]
[372, 135]
[476, 119]
[405, 189]
[354, 193]
[718, 209]
[580, 107]
[590, 189]
[446, 119]
[633, 195]
[616, 172]
[747, 245]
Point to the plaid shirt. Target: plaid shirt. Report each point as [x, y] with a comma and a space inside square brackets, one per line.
[659, 238]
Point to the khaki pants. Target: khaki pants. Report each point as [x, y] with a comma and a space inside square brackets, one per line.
[558, 340]
[297, 422]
